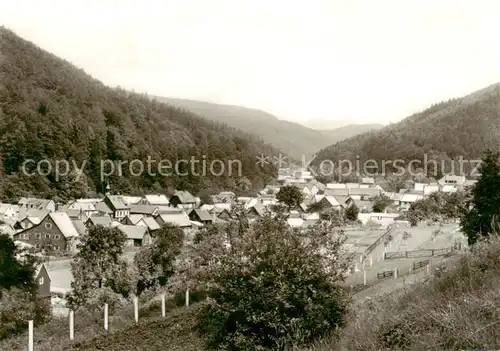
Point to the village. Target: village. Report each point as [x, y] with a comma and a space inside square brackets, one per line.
[52, 230]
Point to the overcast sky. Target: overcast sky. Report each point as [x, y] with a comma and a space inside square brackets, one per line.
[375, 61]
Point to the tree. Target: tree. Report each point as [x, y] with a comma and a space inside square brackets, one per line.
[351, 213]
[18, 290]
[290, 195]
[156, 263]
[483, 209]
[98, 265]
[15, 273]
[272, 287]
[380, 203]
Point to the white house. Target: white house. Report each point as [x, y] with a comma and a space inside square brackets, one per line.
[383, 219]
[8, 211]
[452, 180]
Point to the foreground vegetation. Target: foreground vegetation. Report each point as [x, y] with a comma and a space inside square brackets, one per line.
[456, 309]
[262, 285]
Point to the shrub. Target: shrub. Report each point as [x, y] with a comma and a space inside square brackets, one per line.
[17, 307]
[272, 287]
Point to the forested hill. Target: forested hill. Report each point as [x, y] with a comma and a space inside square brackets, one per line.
[49, 109]
[445, 131]
[292, 138]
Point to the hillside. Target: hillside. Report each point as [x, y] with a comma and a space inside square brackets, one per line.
[445, 131]
[330, 124]
[51, 110]
[293, 139]
[349, 131]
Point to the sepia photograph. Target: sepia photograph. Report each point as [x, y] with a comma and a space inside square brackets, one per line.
[249, 175]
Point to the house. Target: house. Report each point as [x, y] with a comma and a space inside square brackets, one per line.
[382, 219]
[136, 235]
[133, 200]
[155, 200]
[408, 199]
[183, 199]
[180, 219]
[7, 229]
[150, 223]
[295, 222]
[363, 193]
[222, 214]
[105, 221]
[26, 222]
[270, 190]
[337, 192]
[39, 204]
[368, 180]
[103, 209]
[362, 205]
[329, 202]
[452, 180]
[431, 188]
[76, 214]
[79, 226]
[469, 182]
[449, 188]
[268, 200]
[419, 186]
[256, 210]
[86, 207]
[146, 210]
[200, 215]
[132, 219]
[336, 186]
[310, 189]
[117, 206]
[8, 211]
[224, 197]
[43, 281]
[55, 232]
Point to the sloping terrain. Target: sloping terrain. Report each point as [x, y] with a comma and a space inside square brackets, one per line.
[50, 110]
[349, 131]
[293, 139]
[462, 127]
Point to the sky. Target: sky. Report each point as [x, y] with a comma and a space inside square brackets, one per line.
[364, 61]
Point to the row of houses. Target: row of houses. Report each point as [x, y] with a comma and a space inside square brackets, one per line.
[44, 224]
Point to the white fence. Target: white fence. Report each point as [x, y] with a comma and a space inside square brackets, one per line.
[106, 319]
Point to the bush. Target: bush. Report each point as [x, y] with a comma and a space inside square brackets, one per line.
[272, 287]
[17, 307]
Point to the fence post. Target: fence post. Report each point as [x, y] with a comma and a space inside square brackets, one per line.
[106, 318]
[30, 335]
[361, 259]
[432, 252]
[71, 325]
[364, 277]
[396, 273]
[406, 254]
[163, 305]
[136, 310]
[428, 268]
[187, 297]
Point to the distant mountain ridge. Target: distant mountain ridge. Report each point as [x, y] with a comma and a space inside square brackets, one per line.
[292, 138]
[350, 130]
[460, 127]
